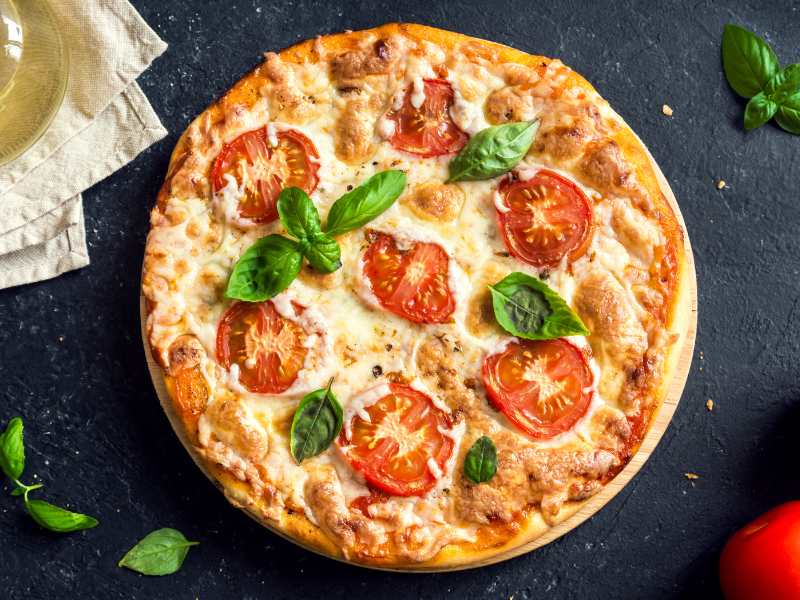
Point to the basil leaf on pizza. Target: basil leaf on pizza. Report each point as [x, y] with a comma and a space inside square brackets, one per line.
[161, 552]
[527, 308]
[56, 518]
[12, 450]
[493, 151]
[480, 464]
[362, 204]
[323, 253]
[316, 423]
[265, 269]
[748, 60]
[298, 214]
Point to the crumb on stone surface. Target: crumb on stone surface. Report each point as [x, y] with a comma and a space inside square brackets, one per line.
[691, 476]
[667, 110]
[721, 184]
[710, 404]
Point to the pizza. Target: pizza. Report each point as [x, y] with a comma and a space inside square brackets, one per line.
[416, 297]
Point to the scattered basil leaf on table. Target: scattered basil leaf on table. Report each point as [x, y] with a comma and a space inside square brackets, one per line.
[760, 109]
[161, 552]
[749, 62]
[361, 205]
[480, 464]
[493, 151]
[12, 450]
[12, 462]
[265, 269]
[788, 115]
[753, 71]
[784, 84]
[316, 423]
[57, 519]
[526, 307]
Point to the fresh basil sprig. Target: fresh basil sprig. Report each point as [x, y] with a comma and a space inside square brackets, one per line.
[273, 262]
[361, 205]
[526, 307]
[12, 463]
[160, 552]
[316, 423]
[753, 71]
[300, 218]
[480, 463]
[493, 151]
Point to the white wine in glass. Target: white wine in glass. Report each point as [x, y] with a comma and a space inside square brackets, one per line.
[34, 67]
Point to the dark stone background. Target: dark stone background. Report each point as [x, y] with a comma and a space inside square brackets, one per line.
[71, 359]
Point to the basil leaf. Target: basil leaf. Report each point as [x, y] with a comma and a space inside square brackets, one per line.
[316, 423]
[493, 151]
[12, 449]
[359, 206]
[161, 552]
[784, 84]
[759, 110]
[323, 253]
[749, 62]
[298, 214]
[23, 489]
[788, 115]
[57, 519]
[526, 307]
[265, 269]
[480, 464]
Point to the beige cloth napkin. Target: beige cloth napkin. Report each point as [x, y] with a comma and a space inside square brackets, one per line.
[104, 123]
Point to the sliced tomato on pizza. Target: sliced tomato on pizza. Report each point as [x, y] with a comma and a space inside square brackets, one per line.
[266, 169]
[398, 442]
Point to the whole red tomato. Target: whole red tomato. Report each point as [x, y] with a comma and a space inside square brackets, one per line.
[762, 560]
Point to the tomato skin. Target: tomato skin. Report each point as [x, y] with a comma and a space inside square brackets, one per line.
[557, 366]
[761, 561]
[292, 163]
[412, 284]
[403, 417]
[268, 348]
[564, 227]
[428, 130]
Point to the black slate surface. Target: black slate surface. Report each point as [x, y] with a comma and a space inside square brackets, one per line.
[71, 360]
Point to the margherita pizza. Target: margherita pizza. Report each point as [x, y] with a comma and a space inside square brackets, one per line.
[416, 296]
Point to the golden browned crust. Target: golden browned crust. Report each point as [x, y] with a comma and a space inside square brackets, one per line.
[612, 160]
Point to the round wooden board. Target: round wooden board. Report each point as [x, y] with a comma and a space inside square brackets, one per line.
[684, 353]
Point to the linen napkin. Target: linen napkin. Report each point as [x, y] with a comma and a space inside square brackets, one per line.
[104, 123]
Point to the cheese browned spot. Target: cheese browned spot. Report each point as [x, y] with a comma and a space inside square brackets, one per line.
[287, 101]
[527, 476]
[481, 321]
[355, 128]
[374, 59]
[604, 167]
[433, 201]
[509, 104]
[236, 427]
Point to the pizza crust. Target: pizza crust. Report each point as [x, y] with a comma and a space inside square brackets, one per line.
[296, 525]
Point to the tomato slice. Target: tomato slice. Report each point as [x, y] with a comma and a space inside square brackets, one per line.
[411, 283]
[393, 448]
[428, 130]
[266, 170]
[543, 387]
[268, 348]
[547, 217]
